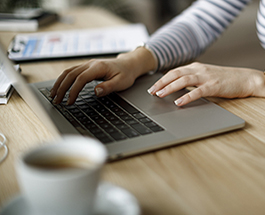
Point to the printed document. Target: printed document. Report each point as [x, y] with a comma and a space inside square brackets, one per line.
[74, 43]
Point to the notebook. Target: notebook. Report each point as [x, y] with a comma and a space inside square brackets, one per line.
[140, 122]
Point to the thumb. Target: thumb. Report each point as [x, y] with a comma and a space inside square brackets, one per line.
[117, 83]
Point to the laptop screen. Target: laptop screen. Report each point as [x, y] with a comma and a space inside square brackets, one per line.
[25, 91]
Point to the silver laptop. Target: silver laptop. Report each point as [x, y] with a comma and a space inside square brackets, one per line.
[128, 122]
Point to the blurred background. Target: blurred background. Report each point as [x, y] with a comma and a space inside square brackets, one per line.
[238, 46]
[153, 13]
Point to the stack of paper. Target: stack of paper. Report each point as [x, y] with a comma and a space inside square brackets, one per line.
[6, 88]
[26, 19]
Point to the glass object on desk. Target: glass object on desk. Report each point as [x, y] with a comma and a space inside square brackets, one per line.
[3, 146]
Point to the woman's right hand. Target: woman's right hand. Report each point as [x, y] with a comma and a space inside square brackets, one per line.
[210, 80]
[119, 74]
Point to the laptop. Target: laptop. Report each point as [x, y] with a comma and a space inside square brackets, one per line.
[128, 122]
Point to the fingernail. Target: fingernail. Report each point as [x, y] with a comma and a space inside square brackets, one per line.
[99, 91]
[51, 93]
[159, 93]
[151, 90]
[54, 101]
[178, 102]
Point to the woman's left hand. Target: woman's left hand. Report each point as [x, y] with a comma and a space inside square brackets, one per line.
[210, 80]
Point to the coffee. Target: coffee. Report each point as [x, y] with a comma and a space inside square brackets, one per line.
[61, 177]
[61, 162]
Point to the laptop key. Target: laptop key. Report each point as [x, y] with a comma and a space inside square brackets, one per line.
[87, 122]
[91, 125]
[156, 129]
[69, 107]
[84, 106]
[127, 117]
[95, 130]
[46, 93]
[96, 117]
[118, 136]
[89, 99]
[111, 130]
[121, 102]
[129, 132]
[150, 124]
[145, 120]
[121, 113]
[107, 102]
[138, 115]
[106, 126]
[79, 103]
[131, 122]
[70, 118]
[101, 136]
[141, 129]
[111, 117]
[90, 113]
[79, 115]
[116, 122]
[122, 126]
[74, 111]
[105, 140]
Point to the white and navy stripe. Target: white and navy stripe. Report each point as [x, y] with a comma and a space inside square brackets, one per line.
[189, 34]
[261, 23]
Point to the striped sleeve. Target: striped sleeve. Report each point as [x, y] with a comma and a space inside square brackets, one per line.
[261, 23]
[186, 36]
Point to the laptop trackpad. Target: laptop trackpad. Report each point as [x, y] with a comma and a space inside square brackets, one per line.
[153, 105]
[158, 105]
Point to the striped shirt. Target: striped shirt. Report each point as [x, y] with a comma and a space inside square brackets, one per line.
[261, 23]
[186, 36]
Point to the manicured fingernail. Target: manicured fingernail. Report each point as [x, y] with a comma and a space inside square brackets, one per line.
[99, 91]
[160, 92]
[68, 100]
[54, 101]
[178, 102]
[151, 90]
[51, 93]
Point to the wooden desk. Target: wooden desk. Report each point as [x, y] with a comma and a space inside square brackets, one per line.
[224, 174]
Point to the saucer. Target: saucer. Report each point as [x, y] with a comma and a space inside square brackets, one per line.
[110, 200]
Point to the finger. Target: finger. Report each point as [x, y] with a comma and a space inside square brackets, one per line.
[96, 70]
[192, 96]
[66, 83]
[165, 80]
[59, 80]
[185, 81]
[117, 83]
[79, 84]
[169, 77]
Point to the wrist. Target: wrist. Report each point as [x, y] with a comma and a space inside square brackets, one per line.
[140, 61]
[259, 85]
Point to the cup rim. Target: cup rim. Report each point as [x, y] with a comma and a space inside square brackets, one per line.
[57, 143]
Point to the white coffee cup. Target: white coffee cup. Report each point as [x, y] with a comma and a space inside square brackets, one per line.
[61, 177]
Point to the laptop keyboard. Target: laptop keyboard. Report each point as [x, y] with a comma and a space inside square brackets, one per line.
[109, 118]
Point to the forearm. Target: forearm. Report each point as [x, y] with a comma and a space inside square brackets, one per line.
[139, 61]
[259, 85]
